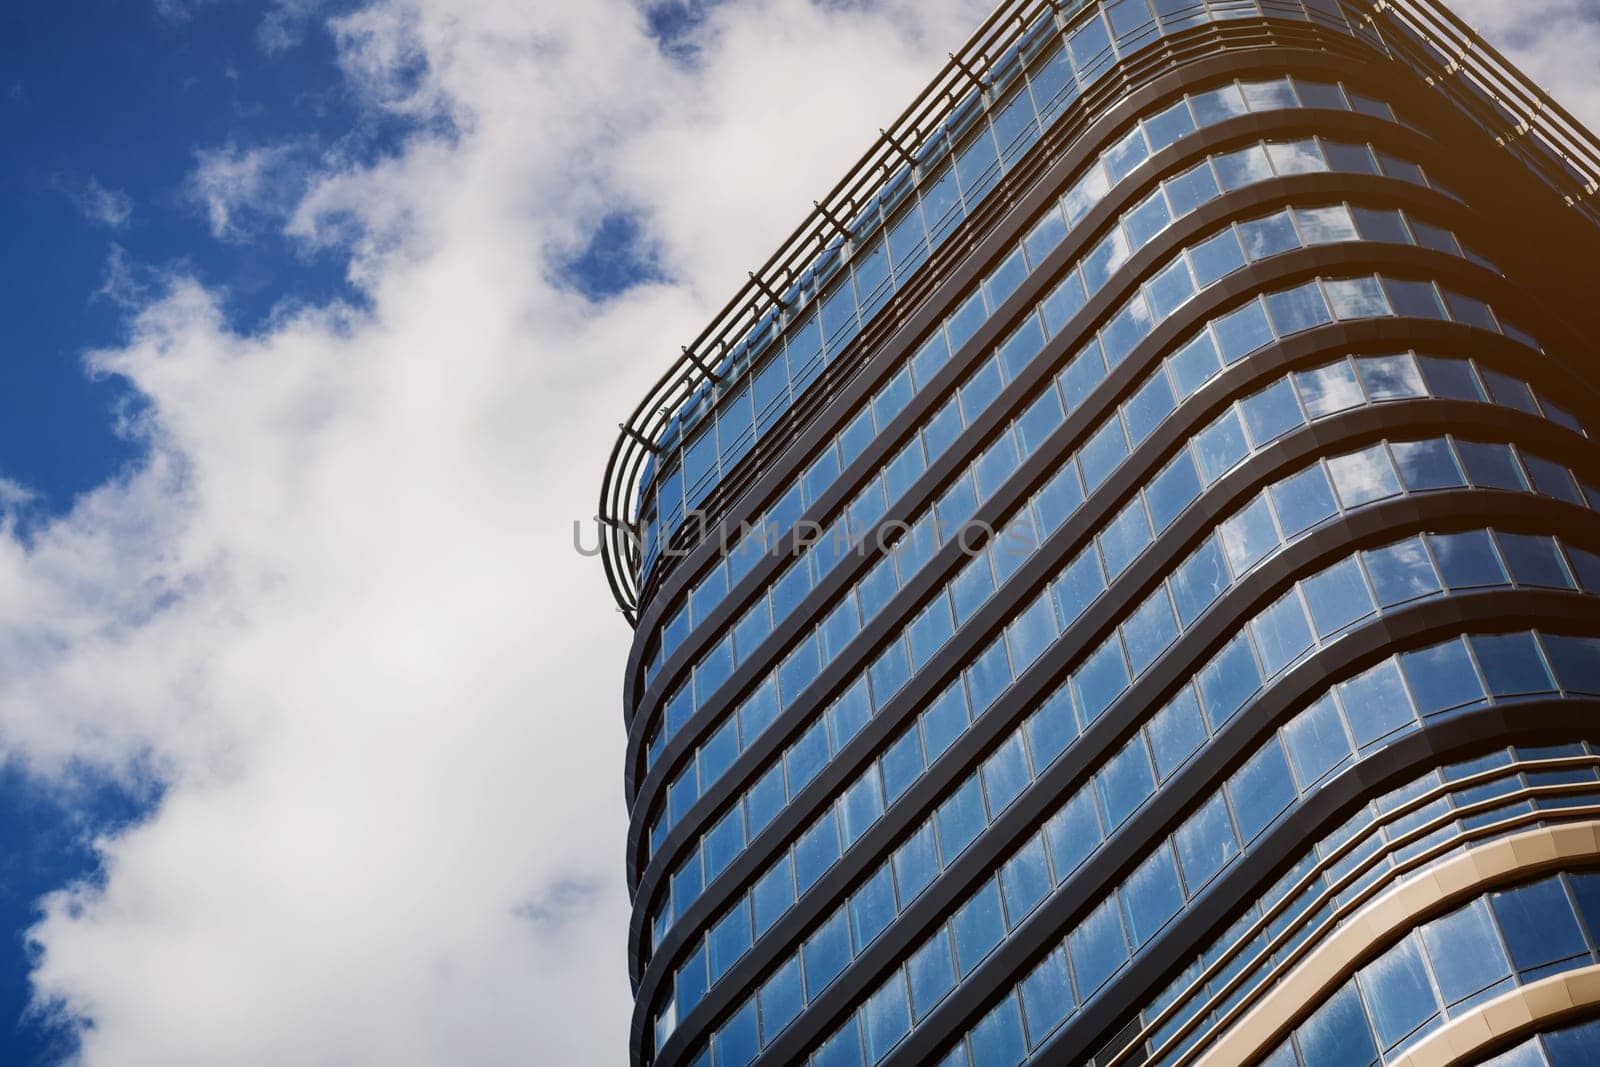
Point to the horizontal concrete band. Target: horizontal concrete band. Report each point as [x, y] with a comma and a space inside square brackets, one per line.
[1506, 1020]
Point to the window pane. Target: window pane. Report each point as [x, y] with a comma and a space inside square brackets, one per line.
[978, 926]
[1271, 413]
[932, 972]
[1398, 992]
[1268, 236]
[1097, 948]
[1337, 1035]
[1303, 500]
[1242, 332]
[1442, 677]
[1100, 680]
[1229, 680]
[1534, 560]
[1511, 663]
[1465, 952]
[1337, 597]
[1538, 924]
[1401, 572]
[1194, 365]
[1375, 703]
[1316, 741]
[1298, 309]
[1491, 465]
[1467, 559]
[1216, 258]
[1151, 896]
[1329, 389]
[1125, 781]
[1365, 476]
[885, 1017]
[1249, 536]
[1219, 446]
[1261, 789]
[1427, 465]
[1176, 732]
[1282, 633]
[1206, 842]
[1390, 377]
[1072, 833]
[1199, 581]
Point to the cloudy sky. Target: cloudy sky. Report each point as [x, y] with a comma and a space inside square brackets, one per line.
[315, 315]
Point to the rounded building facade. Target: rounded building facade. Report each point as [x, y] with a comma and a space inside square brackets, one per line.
[1123, 585]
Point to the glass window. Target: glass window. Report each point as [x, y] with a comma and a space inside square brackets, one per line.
[916, 862]
[1452, 379]
[1006, 774]
[1206, 842]
[1426, 465]
[1375, 703]
[978, 926]
[1534, 560]
[1401, 572]
[1097, 947]
[1511, 663]
[1199, 581]
[1337, 597]
[1414, 299]
[781, 999]
[1491, 465]
[1172, 490]
[1329, 389]
[860, 806]
[729, 939]
[1325, 225]
[1078, 587]
[816, 850]
[1229, 680]
[1552, 479]
[1216, 258]
[772, 895]
[972, 586]
[1249, 536]
[1167, 126]
[1101, 679]
[1125, 330]
[1337, 1035]
[1241, 332]
[1064, 301]
[1125, 781]
[1365, 476]
[1301, 308]
[1466, 560]
[1176, 732]
[1577, 663]
[1385, 226]
[997, 1039]
[1193, 187]
[1047, 996]
[988, 676]
[1398, 992]
[724, 842]
[1149, 630]
[1350, 158]
[1247, 166]
[1218, 105]
[1538, 924]
[1261, 789]
[932, 973]
[1282, 633]
[1046, 234]
[1316, 741]
[1025, 879]
[872, 907]
[1271, 413]
[1052, 728]
[1296, 157]
[1043, 417]
[902, 764]
[1220, 446]
[1269, 236]
[942, 430]
[1033, 631]
[1465, 951]
[766, 798]
[1021, 347]
[960, 819]
[827, 952]
[736, 1044]
[1087, 370]
[1194, 365]
[1391, 377]
[1357, 298]
[1151, 896]
[1147, 219]
[1103, 261]
[1125, 537]
[1122, 157]
[1170, 290]
[1442, 677]
[885, 1017]
[1072, 833]
[1102, 453]
[1303, 500]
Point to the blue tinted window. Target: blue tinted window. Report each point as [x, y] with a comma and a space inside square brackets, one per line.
[1271, 413]
[972, 587]
[1125, 781]
[816, 850]
[1465, 952]
[1149, 630]
[1552, 479]
[1125, 537]
[1534, 560]
[1414, 299]
[1216, 258]
[1247, 166]
[1064, 301]
[1047, 995]
[1282, 633]
[1097, 948]
[1194, 365]
[729, 939]
[1005, 774]
[872, 907]
[1298, 309]
[1376, 703]
[1249, 536]
[1442, 677]
[944, 721]
[1365, 476]
[736, 1044]
[773, 895]
[1398, 992]
[1491, 465]
[1242, 332]
[916, 863]
[1176, 732]
[1511, 663]
[886, 1017]
[978, 926]
[1316, 741]
[1205, 842]
[1229, 680]
[997, 1039]
[1577, 663]
[1086, 371]
[1151, 896]
[1100, 680]
[1261, 789]
[1052, 728]
[1199, 581]
[960, 819]
[1043, 416]
[723, 842]
[781, 999]
[1220, 446]
[1103, 452]
[766, 798]
[1426, 465]
[1337, 597]
[1268, 236]
[1466, 559]
[1303, 500]
[1072, 833]
[1329, 389]
[1538, 924]
[1337, 1035]
[932, 973]
[1193, 187]
[1172, 490]
[1078, 586]
[1060, 497]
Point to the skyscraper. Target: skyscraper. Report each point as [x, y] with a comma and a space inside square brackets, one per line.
[1122, 583]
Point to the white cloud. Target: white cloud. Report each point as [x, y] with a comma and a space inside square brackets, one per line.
[1554, 41]
[107, 207]
[243, 189]
[336, 614]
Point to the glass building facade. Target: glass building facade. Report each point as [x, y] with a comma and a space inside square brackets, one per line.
[1122, 585]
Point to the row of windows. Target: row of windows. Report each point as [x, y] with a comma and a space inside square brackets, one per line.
[1178, 197]
[1222, 445]
[1277, 516]
[1385, 835]
[1335, 731]
[1449, 966]
[914, 218]
[1266, 786]
[1224, 342]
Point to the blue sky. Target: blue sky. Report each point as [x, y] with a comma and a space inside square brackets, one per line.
[313, 318]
